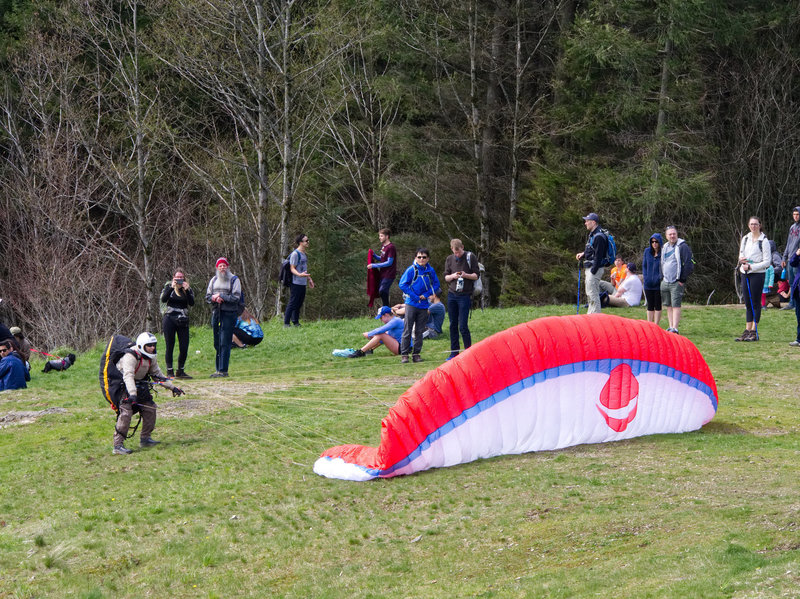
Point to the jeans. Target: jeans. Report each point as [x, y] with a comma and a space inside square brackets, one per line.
[383, 290]
[414, 321]
[296, 298]
[790, 272]
[222, 324]
[458, 312]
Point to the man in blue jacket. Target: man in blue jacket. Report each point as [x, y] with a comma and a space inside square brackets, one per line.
[13, 373]
[419, 285]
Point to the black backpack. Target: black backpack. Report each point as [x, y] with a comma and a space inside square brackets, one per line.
[285, 275]
[111, 385]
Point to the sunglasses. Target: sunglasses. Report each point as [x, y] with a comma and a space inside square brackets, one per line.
[422, 257]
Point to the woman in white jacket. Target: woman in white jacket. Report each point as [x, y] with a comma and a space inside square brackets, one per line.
[754, 259]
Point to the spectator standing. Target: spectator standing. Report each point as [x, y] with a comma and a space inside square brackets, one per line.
[676, 266]
[387, 265]
[794, 292]
[223, 293]
[301, 280]
[792, 243]
[651, 271]
[13, 374]
[754, 259]
[419, 284]
[592, 256]
[461, 270]
[178, 296]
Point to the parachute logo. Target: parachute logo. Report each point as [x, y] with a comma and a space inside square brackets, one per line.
[619, 397]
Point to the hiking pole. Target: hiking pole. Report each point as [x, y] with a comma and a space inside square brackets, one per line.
[578, 301]
[752, 307]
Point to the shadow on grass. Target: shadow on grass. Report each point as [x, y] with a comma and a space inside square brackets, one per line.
[725, 428]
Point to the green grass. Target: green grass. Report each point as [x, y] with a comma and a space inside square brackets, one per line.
[228, 506]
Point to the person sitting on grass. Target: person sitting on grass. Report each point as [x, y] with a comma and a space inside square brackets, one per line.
[13, 374]
[247, 332]
[387, 335]
[629, 292]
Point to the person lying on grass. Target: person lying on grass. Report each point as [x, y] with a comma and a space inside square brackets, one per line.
[388, 335]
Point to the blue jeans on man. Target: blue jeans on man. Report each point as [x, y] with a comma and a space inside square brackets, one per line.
[458, 306]
[222, 324]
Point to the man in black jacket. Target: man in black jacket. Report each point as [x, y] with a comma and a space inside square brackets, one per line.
[593, 255]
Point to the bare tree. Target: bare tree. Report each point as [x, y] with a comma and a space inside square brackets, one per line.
[359, 132]
[261, 63]
[119, 137]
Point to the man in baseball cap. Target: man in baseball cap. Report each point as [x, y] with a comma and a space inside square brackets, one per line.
[592, 256]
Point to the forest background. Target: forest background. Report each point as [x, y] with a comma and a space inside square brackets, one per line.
[138, 137]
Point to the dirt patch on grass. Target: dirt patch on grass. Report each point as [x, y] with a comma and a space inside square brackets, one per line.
[208, 397]
[17, 418]
[188, 408]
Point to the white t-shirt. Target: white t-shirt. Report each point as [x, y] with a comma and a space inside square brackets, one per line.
[631, 289]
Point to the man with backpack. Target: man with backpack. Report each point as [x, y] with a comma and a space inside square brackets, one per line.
[223, 293]
[460, 272]
[676, 266]
[595, 258]
[298, 264]
[134, 365]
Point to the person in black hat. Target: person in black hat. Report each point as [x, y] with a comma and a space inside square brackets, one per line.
[592, 256]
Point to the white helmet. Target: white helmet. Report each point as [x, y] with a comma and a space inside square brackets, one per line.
[143, 340]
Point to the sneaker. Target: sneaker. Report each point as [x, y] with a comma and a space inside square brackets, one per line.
[743, 336]
[217, 375]
[181, 374]
[170, 372]
[148, 442]
[788, 308]
[295, 324]
[404, 359]
[121, 450]
[795, 344]
[416, 358]
[343, 353]
[357, 354]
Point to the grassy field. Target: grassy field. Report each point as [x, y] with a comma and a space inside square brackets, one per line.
[228, 506]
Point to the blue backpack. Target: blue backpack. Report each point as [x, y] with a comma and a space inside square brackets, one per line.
[611, 249]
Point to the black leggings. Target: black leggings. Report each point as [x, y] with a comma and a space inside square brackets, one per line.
[753, 285]
[170, 330]
[653, 297]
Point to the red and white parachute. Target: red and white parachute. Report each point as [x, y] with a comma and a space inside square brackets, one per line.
[546, 384]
